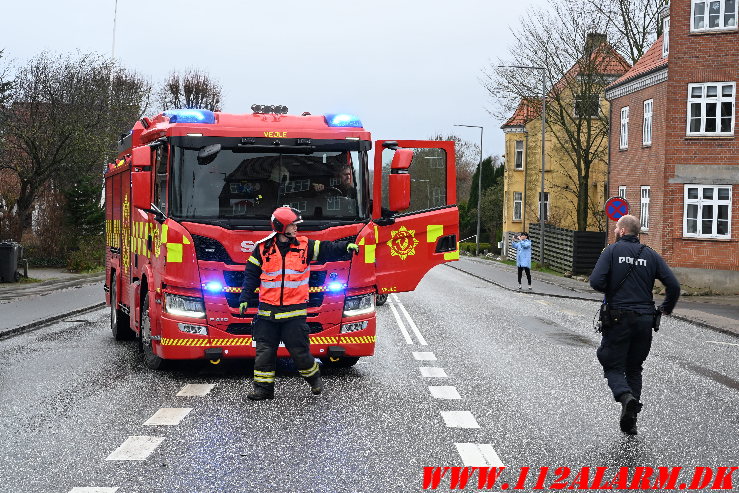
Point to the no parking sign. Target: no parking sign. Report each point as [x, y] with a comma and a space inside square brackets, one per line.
[616, 208]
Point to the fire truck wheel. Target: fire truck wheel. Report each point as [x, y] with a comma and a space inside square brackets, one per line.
[343, 362]
[380, 299]
[119, 322]
[151, 360]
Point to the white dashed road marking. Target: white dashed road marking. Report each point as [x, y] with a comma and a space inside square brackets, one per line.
[92, 490]
[424, 356]
[444, 392]
[413, 325]
[432, 372]
[725, 343]
[407, 336]
[195, 390]
[168, 416]
[459, 419]
[478, 455]
[136, 448]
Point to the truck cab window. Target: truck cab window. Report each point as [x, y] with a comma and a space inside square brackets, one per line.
[160, 188]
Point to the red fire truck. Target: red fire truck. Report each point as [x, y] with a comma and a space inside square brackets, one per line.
[192, 191]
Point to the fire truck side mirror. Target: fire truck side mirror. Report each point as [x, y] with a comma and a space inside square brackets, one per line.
[400, 191]
[402, 159]
[141, 189]
[141, 157]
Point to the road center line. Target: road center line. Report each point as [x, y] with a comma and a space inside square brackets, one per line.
[424, 356]
[413, 325]
[459, 419]
[478, 455]
[724, 343]
[136, 448]
[92, 489]
[407, 336]
[432, 372]
[195, 390]
[168, 416]
[444, 392]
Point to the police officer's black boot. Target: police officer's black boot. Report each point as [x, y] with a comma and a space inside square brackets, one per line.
[261, 392]
[316, 383]
[629, 408]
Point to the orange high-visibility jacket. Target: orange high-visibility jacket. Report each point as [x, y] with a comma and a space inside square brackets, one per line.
[284, 284]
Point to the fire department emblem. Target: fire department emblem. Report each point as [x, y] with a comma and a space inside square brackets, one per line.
[402, 242]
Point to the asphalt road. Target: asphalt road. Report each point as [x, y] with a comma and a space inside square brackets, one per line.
[519, 369]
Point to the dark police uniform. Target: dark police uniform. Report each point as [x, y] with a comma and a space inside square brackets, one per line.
[625, 345]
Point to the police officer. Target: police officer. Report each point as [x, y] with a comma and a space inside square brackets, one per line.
[279, 266]
[625, 272]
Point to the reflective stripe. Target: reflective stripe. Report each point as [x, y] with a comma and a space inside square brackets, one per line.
[273, 273]
[316, 248]
[264, 379]
[288, 284]
[290, 271]
[264, 313]
[254, 261]
[264, 373]
[294, 313]
[310, 371]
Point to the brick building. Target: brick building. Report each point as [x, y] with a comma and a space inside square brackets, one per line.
[674, 153]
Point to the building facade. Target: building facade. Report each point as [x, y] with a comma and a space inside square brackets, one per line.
[674, 154]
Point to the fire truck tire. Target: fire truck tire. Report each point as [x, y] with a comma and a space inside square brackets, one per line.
[343, 362]
[119, 321]
[151, 360]
[380, 299]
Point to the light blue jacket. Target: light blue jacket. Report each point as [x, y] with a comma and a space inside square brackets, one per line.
[523, 253]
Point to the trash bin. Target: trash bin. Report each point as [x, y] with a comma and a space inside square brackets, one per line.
[10, 253]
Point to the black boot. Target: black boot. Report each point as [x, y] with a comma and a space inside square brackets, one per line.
[629, 408]
[316, 383]
[260, 393]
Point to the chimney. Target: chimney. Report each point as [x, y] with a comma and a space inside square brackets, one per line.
[594, 40]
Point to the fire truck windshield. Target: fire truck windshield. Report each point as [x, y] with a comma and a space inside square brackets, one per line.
[240, 185]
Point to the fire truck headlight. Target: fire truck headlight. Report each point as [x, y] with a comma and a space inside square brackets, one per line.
[184, 306]
[343, 120]
[213, 286]
[359, 305]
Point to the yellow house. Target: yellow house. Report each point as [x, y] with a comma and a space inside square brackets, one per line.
[564, 183]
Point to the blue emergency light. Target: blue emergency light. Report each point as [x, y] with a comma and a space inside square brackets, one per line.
[336, 286]
[190, 116]
[213, 286]
[343, 120]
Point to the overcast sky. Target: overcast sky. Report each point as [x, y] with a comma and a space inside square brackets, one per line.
[407, 68]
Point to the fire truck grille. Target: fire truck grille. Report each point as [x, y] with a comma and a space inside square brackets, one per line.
[239, 329]
[211, 250]
[235, 279]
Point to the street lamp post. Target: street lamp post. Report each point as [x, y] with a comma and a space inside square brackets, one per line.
[479, 189]
[543, 152]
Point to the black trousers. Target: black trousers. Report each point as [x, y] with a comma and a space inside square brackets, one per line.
[623, 350]
[528, 274]
[268, 334]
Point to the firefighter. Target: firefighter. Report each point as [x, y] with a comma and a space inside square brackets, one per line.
[280, 267]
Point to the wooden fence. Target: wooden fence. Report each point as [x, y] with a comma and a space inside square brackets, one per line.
[564, 250]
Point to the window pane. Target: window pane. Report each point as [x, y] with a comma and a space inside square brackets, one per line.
[711, 91]
[711, 117]
[722, 227]
[692, 193]
[730, 13]
[727, 91]
[708, 193]
[517, 195]
[696, 92]
[700, 10]
[714, 15]
[691, 226]
[726, 124]
[707, 220]
[724, 193]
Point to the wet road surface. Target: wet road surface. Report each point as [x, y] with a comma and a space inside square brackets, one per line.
[464, 374]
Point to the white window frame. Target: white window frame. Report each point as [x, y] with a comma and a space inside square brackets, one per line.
[647, 122]
[700, 202]
[622, 191]
[623, 139]
[665, 37]
[518, 155]
[546, 205]
[644, 208]
[706, 17]
[517, 200]
[717, 100]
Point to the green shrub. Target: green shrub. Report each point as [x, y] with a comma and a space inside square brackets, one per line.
[89, 256]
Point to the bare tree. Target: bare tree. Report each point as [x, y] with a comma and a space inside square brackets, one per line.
[61, 122]
[191, 89]
[467, 159]
[578, 63]
[633, 25]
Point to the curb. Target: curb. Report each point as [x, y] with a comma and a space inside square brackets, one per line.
[4, 334]
[679, 317]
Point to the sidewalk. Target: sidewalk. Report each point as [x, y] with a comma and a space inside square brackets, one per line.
[59, 295]
[719, 313]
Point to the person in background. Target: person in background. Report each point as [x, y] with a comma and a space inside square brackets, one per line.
[523, 257]
[280, 267]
